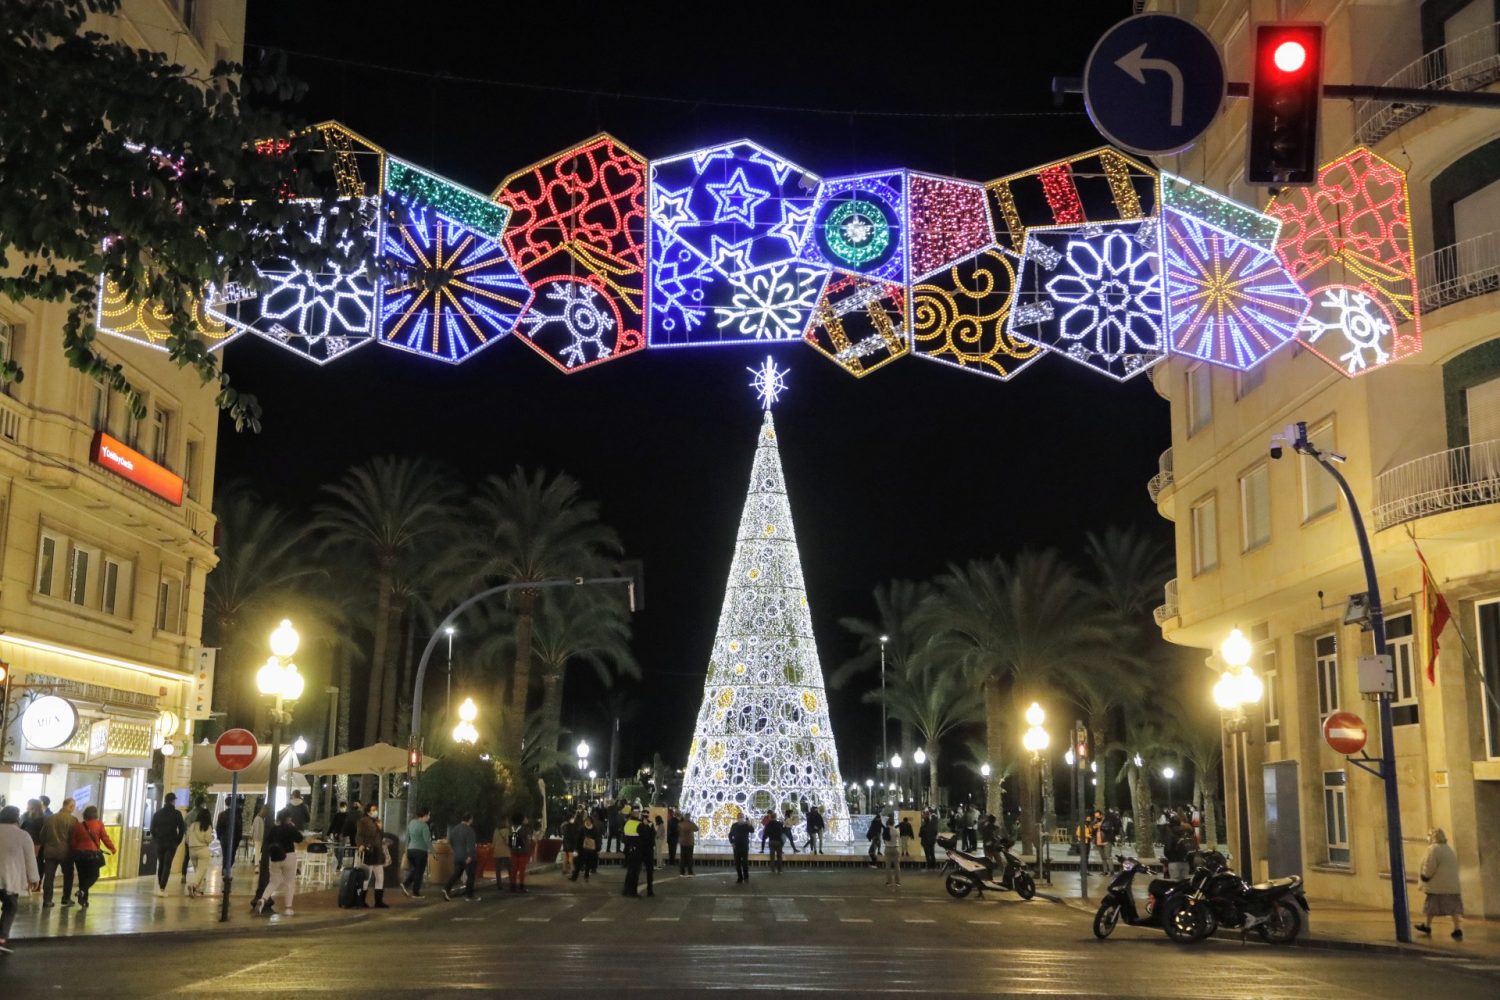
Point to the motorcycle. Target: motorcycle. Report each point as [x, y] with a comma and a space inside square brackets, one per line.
[1119, 904]
[964, 873]
[1217, 897]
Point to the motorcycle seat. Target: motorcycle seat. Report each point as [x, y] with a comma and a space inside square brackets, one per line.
[1277, 883]
[1160, 886]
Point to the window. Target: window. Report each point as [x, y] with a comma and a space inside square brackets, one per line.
[1336, 816]
[109, 597]
[1205, 536]
[191, 472]
[78, 576]
[1247, 382]
[1489, 669]
[190, 14]
[167, 592]
[1326, 649]
[1402, 645]
[100, 409]
[161, 428]
[1255, 507]
[46, 566]
[9, 334]
[1320, 494]
[132, 434]
[1273, 698]
[1199, 398]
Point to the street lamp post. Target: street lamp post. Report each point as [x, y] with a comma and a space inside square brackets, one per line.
[884, 723]
[583, 763]
[466, 731]
[1169, 773]
[279, 680]
[869, 795]
[896, 778]
[1035, 741]
[919, 758]
[448, 630]
[1238, 688]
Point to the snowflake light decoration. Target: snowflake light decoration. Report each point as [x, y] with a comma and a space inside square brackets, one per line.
[1360, 330]
[318, 316]
[960, 317]
[1097, 186]
[1353, 230]
[1093, 294]
[860, 324]
[579, 219]
[949, 220]
[859, 226]
[768, 381]
[1229, 302]
[695, 305]
[763, 738]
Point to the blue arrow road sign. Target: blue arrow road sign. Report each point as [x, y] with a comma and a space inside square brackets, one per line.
[1154, 83]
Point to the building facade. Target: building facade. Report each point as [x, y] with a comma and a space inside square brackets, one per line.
[106, 536]
[1268, 546]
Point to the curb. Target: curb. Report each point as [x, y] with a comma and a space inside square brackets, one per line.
[196, 933]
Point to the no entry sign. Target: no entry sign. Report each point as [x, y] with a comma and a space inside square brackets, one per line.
[1345, 732]
[235, 749]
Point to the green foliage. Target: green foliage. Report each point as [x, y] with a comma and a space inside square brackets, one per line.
[633, 791]
[119, 164]
[458, 783]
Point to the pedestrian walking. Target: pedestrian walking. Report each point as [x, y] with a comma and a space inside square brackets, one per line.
[927, 833]
[465, 856]
[500, 851]
[815, 826]
[300, 813]
[790, 822]
[33, 823]
[281, 856]
[570, 832]
[520, 851]
[660, 831]
[258, 831]
[616, 826]
[687, 835]
[891, 836]
[740, 832]
[1163, 828]
[418, 846]
[873, 833]
[1439, 875]
[907, 836]
[776, 834]
[57, 853]
[672, 835]
[590, 836]
[765, 824]
[648, 837]
[200, 842]
[89, 842]
[371, 847]
[18, 871]
[630, 839]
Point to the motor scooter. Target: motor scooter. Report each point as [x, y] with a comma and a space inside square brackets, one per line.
[1119, 903]
[965, 873]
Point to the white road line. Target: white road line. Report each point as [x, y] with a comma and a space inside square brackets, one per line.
[912, 920]
[195, 987]
[649, 919]
[533, 920]
[597, 920]
[994, 923]
[855, 920]
[466, 920]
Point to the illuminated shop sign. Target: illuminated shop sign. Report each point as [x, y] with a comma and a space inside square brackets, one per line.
[127, 463]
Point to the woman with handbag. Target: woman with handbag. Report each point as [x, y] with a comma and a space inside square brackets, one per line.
[200, 842]
[89, 839]
[588, 849]
[371, 847]
[281, 855]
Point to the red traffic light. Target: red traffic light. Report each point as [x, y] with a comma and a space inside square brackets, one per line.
[1290, 56]
[414, 759]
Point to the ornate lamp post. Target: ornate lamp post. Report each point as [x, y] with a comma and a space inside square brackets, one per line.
[583, 762]
[869, 795]
[465, 732]
[1238, 687]
[919, 758]
[884, 724]
[1036, 741]
[1169, 773]
[896, 777]
[279, 680]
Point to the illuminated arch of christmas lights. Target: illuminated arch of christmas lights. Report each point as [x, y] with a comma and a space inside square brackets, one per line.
[950, 219]
[859, 226]
[960, 317]
[120, 314]
[1093, 294]
[860, 324]
[1347, 240]
[1097, 186]
[1229, 302]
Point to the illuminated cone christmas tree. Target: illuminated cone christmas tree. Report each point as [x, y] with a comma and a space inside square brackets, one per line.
[763, 739]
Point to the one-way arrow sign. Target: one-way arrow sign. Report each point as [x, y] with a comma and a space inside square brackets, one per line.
[1154, 83]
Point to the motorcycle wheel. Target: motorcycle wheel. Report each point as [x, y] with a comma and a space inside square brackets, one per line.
[1284, 925]
[1025, 887]
[1188, 922]
[957, 887]
[1106, 919]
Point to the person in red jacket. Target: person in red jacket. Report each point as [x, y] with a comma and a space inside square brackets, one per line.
[89, 842]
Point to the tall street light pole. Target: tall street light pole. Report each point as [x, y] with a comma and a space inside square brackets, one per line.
[448, 712]
[1035, 741]
[919, 758]
[1237, 688]
[279, 679]
[885, 750]
[1294, 436]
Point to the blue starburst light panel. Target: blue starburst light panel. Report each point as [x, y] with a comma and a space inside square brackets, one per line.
[457, 291]
[859, 226]
[1093, 293]
[317, 315]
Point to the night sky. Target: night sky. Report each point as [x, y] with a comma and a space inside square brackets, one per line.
[894, 475]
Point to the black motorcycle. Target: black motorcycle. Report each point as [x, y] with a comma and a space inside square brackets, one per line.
[1119, 904]
[964, 873]
[1217, 897]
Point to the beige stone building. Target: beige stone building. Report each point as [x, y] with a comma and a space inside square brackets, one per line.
[1268, 546]
[101, 577]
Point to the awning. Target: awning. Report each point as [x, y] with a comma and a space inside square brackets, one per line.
[379, 759]
[206, 768]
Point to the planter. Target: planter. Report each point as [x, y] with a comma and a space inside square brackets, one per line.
[486, 854]
[547, 849]
[440, 862]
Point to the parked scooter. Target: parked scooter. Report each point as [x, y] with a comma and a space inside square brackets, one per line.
[965, 873]
[1119, 904]
[1216, 897]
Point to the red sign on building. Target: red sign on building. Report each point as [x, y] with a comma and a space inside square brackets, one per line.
[127, 463]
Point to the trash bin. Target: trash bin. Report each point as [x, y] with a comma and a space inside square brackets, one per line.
[440, 863]
[485, 853]
[547, 849]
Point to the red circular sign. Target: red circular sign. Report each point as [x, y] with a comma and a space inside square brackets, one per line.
[235, 749]
[1345, 732]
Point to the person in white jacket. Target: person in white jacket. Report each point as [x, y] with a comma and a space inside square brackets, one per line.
[200, 842]
[18, 871]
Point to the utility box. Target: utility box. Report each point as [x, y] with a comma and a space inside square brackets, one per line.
[1377, 675]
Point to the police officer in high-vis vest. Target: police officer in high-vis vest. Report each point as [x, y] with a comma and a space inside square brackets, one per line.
[631, 834]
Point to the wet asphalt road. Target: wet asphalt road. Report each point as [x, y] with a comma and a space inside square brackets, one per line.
[823, 933]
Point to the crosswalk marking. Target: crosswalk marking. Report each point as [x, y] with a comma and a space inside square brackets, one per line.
[994, 923]
[662, 918]
[913, 920]
[728, 909]
[597, 920]
[855, 920]
[786, 910]
[534, 920]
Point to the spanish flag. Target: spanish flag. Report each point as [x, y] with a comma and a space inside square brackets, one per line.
[1438, 613]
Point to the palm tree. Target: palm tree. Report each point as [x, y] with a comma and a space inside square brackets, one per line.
[1141, 741]
[530, 527]
[897, 607]
[1131, 570]
[934, 697]
[384, 512]
[1199, 737]
[261, 565]
[1101, 693]
[1029, 626]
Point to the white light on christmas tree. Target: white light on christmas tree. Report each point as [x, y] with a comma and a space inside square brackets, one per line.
[763, 739]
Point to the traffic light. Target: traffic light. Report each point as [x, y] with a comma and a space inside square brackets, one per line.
[1285, 97]
[413, 759]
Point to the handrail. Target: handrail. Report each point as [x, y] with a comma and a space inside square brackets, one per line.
[1168, 608]
[1459, 271]
[1437, 483]
[1158, 484]
[1469, 62]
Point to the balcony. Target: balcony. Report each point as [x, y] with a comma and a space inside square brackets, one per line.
[1159, 483]
[1168, 610]
[1469, 62]
[1460, 271]
[1434, 484]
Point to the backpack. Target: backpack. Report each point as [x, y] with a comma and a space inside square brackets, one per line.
[1110, 828]
[520, 840]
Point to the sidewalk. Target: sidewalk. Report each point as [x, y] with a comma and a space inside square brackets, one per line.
[1330, 925]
